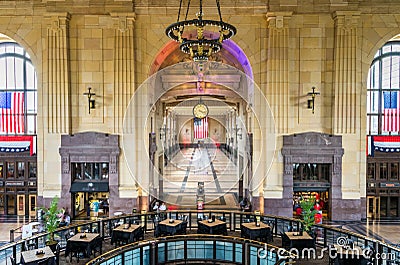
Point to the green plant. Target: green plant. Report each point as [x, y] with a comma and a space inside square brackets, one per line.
[51, 218]
[308, 213]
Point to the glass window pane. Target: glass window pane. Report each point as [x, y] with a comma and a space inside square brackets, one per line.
[3, 81]
[32, 169]
[371, 171]
[104, 170]
[10, 73]
[374, 125]
[10, 170]
[1, 170]
[394, 170]
[18, 70]
[88, 170]
[394, 82]
[383, 171]
[31, 104]
[31, 124]
[19, 50]
[21, 169]
[396, 47]
[30, 77]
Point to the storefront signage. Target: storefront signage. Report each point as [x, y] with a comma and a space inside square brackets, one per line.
[15, 183]
[390, 185]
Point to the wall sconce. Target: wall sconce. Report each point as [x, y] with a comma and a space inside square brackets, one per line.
[238, 131]
[310, 102]
[163, 130]
[91, 102]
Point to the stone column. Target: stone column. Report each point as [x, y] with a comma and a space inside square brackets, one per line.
[123, 67]
[346, 78]
[58, 78]
[278, 68]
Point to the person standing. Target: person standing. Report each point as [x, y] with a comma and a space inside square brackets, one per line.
[88, 208]
[96, 208]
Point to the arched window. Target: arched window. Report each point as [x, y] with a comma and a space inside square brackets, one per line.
[383, 95]
[18, 91]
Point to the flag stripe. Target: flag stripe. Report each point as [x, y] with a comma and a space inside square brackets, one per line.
[12, 112]
[391, 111]
[200, 128]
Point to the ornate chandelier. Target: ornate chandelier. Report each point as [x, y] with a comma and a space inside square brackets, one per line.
[198, 37]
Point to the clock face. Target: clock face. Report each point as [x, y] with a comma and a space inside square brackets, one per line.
[200, 110]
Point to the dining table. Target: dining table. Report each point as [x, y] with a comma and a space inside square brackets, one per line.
[255, 231]
[212, 227]
[86, 241]
[170, 226]
[34, 256]
[125, 233]
[299, 240]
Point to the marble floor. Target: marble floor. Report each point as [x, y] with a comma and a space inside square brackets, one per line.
[211, 166]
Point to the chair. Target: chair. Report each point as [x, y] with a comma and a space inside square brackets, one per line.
[269, 236]
[13, 262]
[75, 250]
[58, 248]
[98, 246]
[285, 240]
[139, 234]
[182, 229]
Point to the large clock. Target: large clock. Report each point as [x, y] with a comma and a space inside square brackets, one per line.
[200, 110]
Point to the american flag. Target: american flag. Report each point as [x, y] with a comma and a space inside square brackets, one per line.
[391, 112]
[201, 128]
[12, 112]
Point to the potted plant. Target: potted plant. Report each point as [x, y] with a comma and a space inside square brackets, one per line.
[307, 214]
[51, 220]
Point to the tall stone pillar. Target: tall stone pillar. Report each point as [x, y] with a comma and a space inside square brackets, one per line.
[124, 72]
[346, 78]
[278, 68]
[58, 74]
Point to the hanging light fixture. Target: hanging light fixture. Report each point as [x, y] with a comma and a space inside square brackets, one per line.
[198, 37]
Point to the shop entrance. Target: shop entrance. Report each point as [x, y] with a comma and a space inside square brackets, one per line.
[373, 206]
[322, 197]
[90, 204]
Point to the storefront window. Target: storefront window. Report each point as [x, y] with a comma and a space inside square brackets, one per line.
[394, 171]
[104, 170]
[371, 171]
[92, 171]
[311, 172]
[383, 171]
[32, 170]
[1, 170]
[89, 174]
[10, 170]
[21, 169]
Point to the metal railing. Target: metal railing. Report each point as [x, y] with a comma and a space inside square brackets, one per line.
[326, 235]
[195, 247]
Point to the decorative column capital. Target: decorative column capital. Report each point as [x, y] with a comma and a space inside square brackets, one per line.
[58, 20]
[346, 19]
[123, 21]
[278, 20]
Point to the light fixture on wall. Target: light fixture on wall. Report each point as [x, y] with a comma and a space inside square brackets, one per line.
[311, 101]
[163, 131]
[197, 37]
[238, 131]
[91, 102]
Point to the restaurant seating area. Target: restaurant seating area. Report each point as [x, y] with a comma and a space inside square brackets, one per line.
[80, 243]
